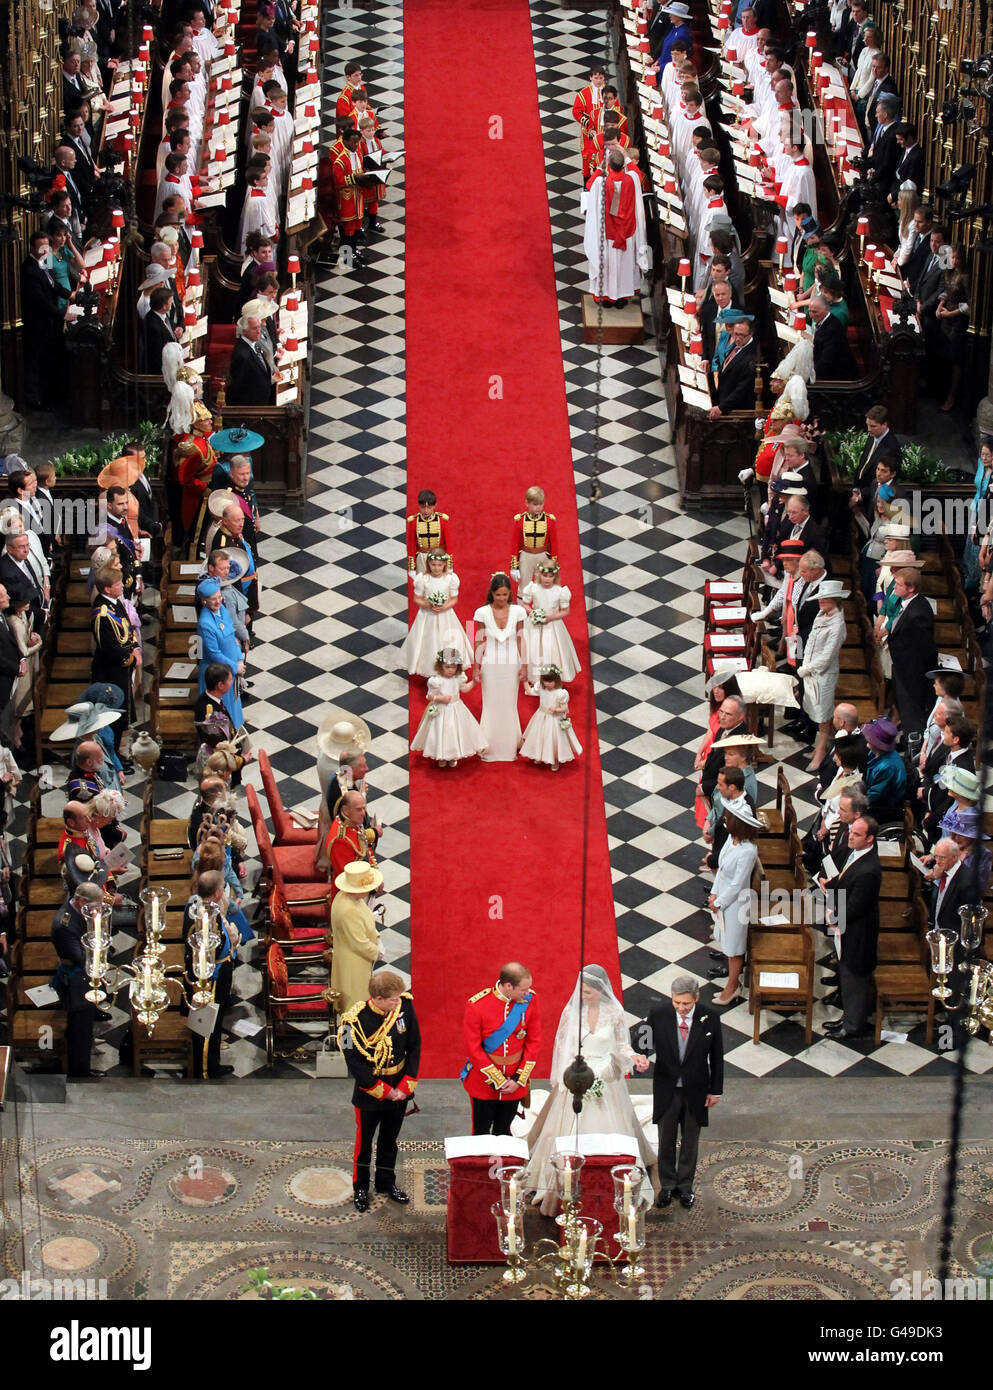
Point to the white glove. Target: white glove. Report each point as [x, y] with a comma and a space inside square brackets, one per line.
[515, 575]
[764, 509]
[644, 258]
[757, 617]
[803, 672]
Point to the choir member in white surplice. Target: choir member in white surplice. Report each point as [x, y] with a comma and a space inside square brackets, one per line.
[626, 251]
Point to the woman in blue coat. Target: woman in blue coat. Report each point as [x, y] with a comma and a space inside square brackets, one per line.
[218, 642]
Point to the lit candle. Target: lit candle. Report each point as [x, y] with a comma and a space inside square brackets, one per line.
[974, 976]
[513, 1194]
[942, 967]
[581, 1253]
[155, 900]
[568, 1181]
[202, 956]
[511, 1235]
[632, 1228]
[627, 1192]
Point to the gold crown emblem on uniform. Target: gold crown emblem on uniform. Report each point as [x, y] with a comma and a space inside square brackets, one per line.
[200, 411]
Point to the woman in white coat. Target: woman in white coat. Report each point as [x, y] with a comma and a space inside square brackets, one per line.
[819, 667]
[729, 899]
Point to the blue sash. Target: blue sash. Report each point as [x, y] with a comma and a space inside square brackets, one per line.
[500, 1035]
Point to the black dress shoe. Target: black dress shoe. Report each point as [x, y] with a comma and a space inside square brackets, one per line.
[686, 1199]
[126, 764]
[221, 1071]
[832, 1000]
[717, 972]
[394, 1193]
[86, 1076]
[102, 1016]
[717, 955]
[376, 226]
[838, 1030]
[664, 1199]
[360, 1198]
[829, 959]
[831, 978]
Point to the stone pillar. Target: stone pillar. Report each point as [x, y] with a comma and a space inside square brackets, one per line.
[984, 412]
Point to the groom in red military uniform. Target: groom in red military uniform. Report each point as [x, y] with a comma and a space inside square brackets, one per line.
[502, 1036]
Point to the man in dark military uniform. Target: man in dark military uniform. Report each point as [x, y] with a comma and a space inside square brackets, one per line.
[381, 1041]
[426, 530]
[82, 862]
[207, 1051]
[69, 981]
[118, 648]
[118, 530]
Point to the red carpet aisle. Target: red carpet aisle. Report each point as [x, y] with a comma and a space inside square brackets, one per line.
[496, 848]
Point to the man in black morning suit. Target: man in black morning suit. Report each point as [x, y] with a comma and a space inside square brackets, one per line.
[688, 1044]
[856, 913]
[736, 378]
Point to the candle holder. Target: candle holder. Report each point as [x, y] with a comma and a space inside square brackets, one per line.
[154, 901]
[942, 941]
[96, 944]
[631, 1209]
[581, 1235]
[510, 1235]
[972, 925]
[204, 940]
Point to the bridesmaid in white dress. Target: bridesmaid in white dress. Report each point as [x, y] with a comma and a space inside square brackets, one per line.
[448, 731]
[594, 1019]
[435, 626]
[546, 640]
[547, 739]
[499, 669]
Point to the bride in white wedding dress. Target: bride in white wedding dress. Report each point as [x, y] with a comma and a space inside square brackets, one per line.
[607, 1107]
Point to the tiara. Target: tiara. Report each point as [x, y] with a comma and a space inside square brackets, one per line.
[551, 671]
[548, 567]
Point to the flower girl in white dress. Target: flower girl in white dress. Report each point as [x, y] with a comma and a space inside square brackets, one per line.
[546, 638]
[435, 593]
[448, 731]
[593, 1020]
[548, 737]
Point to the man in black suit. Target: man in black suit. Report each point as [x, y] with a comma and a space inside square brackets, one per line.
[158, 328]
[799, 525]
[251, 380]
[851, 35]
[884, 152]
[259, 248]
[143, 492]
[73, 89]
[812, 570]
[955, 750]
[65, 165]
[736, 379]
[883, 85]
[855, 914]
[954, 887]
[913, 651]
[719, 296]
[70, 982]
[19, 570]
[44, 322]
[833, 360]
[731, 720]
[84, 171]
[930, 284]
[920, 251]
[881, 444]
[911, 166]
[689, 1079]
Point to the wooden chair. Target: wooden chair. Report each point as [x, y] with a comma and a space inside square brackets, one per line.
[289, 1004]
[774, 817]
[781, 953]
[904, 987]
[284, 832]
[170, 1041]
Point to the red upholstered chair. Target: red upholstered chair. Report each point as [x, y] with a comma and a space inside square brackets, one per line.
[220, 345]
[288, 1004]
[284, 832]
[309, 903]
[295, 862]
[295, 940]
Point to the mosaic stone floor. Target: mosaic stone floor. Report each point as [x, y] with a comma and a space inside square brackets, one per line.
[159, 1219]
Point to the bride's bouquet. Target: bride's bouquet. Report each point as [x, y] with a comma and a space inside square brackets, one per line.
[596, 1090]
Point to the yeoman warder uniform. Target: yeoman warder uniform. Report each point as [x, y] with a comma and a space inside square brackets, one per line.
[502, 1039]
[383, 1053]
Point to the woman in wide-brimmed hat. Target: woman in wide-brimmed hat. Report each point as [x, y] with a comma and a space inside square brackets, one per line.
[886, 776]
[819, 665]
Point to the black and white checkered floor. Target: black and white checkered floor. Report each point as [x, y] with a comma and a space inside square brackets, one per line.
[335, 595]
